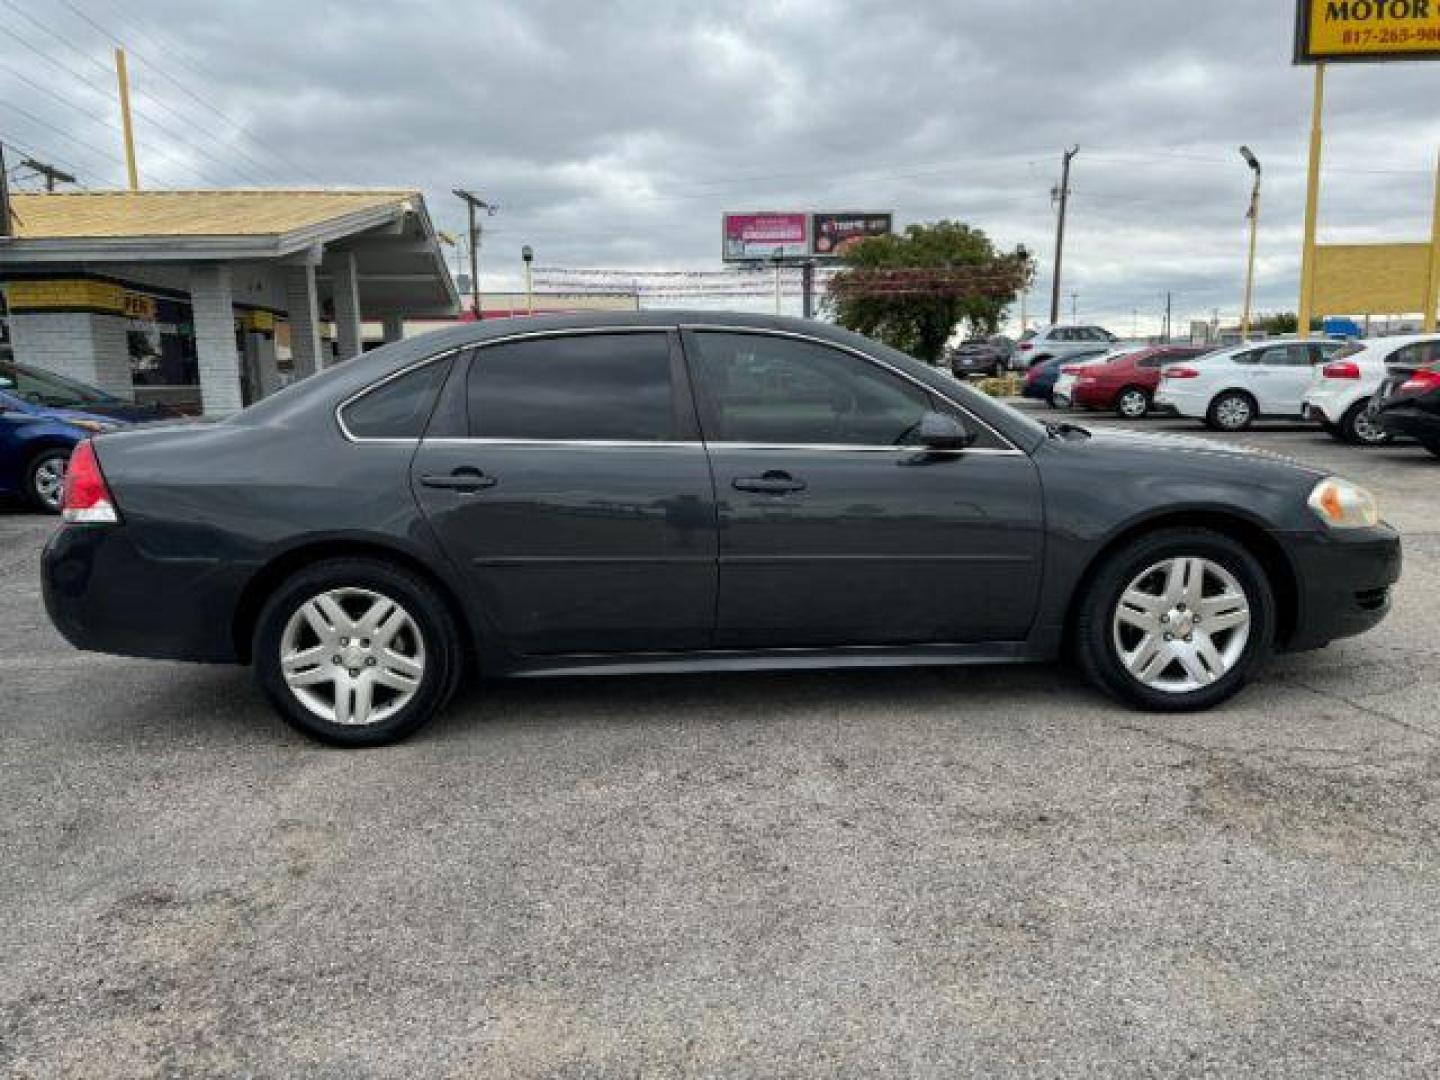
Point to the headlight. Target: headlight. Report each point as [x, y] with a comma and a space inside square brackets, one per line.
[93, 426]
[1343, 505]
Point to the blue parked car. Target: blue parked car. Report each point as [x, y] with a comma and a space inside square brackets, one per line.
[42, 417]
[1040, 379]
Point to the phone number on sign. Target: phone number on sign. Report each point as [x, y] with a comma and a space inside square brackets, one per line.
[1425, 35]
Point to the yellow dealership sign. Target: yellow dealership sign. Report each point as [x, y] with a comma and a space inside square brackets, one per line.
[1373, 279]
[1360, 30]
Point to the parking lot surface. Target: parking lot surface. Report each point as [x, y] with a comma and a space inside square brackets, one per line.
[948, 872]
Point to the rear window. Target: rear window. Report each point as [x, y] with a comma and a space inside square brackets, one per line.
[397, 409]
[1350, 350]
[1027, 335]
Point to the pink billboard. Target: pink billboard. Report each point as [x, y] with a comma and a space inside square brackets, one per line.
[763, 235]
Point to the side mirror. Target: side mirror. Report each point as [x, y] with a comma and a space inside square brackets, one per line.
[941, 431]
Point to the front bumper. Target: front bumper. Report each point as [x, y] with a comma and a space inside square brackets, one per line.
[1343, 579]
[105, 594]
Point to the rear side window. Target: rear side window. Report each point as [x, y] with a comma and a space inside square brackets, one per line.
[399, 408]
[603, 387]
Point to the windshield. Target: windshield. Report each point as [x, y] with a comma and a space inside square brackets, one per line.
[47, 388]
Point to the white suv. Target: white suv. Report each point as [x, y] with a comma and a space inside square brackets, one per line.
[1049, 342]
[1340, 393]
[1231, 388]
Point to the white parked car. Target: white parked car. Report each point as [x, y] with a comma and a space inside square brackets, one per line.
[1048, 342]
[1232, 388]
[1340, 392]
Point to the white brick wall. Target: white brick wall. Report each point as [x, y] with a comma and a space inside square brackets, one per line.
[345, 285]
[304, 313]
[213, 309]
[84, 346]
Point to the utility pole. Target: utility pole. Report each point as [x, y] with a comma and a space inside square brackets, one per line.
[123, 79]
[473, 203]
[1063, 193]
[51, 174]
[1167, 317]
[1074, 307]
[807, 288]
[4, 196]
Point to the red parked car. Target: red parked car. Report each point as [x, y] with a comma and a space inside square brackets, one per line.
[1127, 383]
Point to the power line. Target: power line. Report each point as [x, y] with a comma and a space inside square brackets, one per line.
[160, 70]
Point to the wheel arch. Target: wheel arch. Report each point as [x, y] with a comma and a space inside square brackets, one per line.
[1247, 532]
[273, 573]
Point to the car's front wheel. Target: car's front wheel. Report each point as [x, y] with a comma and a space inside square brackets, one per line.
[356, 652]
[1233, 410]
[1132, 403]
[1433, 445]
[1359, 428]
[1176, 620]
[45, 479]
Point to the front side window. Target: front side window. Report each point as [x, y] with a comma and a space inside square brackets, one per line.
[765, 390]
[593, 387]
[397, 409]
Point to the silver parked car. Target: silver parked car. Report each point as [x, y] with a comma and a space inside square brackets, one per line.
[1049, 342]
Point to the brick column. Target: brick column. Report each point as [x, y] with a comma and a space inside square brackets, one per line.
[394, 328]
[213, 309]
[345, 286]
[304, 311]
[261, 347]
[89, 347]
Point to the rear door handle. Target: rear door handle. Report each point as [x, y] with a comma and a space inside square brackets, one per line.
[462, 480]
[774, 482]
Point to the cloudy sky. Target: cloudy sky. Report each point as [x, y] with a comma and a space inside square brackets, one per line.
[613, 134]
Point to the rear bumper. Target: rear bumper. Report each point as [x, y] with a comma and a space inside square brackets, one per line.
[1409, 422]
[1180, 403]
[104, 594]
[1094, 397]
[1343, 580]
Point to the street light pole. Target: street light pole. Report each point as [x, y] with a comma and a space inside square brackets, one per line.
[1063, 193]
[1254, 216]
[527, 253]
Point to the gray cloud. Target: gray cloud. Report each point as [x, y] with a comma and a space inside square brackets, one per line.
[614, 134]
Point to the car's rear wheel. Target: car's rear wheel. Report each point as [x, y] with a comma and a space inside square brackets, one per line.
[1132, 403]
[357, 652]
[1433, 445]
[1176, 620]
[1233, 410]
[45, 479]
[1359, 428]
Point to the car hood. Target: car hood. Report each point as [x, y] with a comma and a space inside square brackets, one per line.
[119, 412]
[1144, 444]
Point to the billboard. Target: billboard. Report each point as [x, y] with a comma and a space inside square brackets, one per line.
[755, 236]
[1365, 30]
[831, 234]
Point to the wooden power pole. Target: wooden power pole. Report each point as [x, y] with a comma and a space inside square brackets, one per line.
[1064, 196]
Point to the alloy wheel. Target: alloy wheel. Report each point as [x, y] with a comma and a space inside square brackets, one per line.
[352, 656]
[1181, 624]
[49, 481]
[1232, 412]
[1132, 404]
[1367, 431]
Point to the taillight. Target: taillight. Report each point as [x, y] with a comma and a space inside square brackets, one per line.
[1422, 381]
[1179, 373]
[87, 498]
[1341, 369]
[1026, 346]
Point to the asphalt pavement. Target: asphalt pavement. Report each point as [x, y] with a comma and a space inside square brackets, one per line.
[983, 872]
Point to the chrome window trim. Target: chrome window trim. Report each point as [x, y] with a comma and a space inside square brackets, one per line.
[1009, 445]
[406, 370]
[451, 440]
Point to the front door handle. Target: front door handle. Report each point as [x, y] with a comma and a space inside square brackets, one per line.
[774, 482]
[462, 480]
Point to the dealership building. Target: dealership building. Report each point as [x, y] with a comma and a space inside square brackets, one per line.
[209, 300]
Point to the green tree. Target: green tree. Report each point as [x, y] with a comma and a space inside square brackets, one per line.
[912, 289]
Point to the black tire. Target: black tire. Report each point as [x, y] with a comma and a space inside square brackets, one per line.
[1433, 445]
[1137, 401]
[1234, 410]
[1333, 430]
[1357, 429]
[38, 474]
[1095, 642]
[443, 654]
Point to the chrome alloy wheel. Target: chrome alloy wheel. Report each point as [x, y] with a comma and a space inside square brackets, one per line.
[50, 482]
[1133, 404]
[1233, 412]
[1367, 430]
[352, 656]
[1181, 625]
